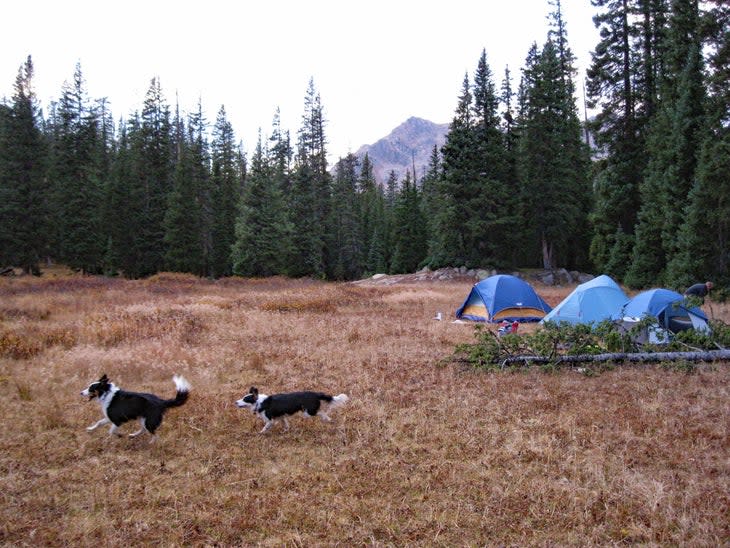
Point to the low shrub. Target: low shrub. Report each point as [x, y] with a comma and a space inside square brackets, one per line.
[552, 342]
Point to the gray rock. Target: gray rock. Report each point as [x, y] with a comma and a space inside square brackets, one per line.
[562, 277]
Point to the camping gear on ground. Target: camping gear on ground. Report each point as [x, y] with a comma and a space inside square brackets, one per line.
[671, 310]
[591, 302]
[507, 327]
[641, 333]
[503, 297]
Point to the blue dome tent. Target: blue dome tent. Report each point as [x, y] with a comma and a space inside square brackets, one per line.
[503, 297]
[591, 302]
[670, 309]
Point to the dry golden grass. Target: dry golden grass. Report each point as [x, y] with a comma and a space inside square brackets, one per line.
[423, 455]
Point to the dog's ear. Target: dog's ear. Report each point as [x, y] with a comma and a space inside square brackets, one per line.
[254, 391]
[104, 378]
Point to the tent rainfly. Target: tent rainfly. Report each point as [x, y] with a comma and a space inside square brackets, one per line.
[670, 309]
[503, 297]
[591, 302]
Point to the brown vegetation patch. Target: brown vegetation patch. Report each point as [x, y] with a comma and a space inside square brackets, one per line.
[300, 305]
[423, 454]
[18, 313]
[25, 342]
[127, 326]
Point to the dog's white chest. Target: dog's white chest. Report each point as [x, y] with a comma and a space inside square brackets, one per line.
[106, 399]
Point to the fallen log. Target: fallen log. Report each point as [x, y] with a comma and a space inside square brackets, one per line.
[695, 356]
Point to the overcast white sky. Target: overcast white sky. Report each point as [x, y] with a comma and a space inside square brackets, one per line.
[374, 63]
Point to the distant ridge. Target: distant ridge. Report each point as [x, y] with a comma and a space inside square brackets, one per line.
[410, 143]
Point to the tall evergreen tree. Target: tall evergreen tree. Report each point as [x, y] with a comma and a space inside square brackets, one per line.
[106, 152]
[183, 222]
[493, 237]
[23, 190]
[409, 246]
[676, 136]
[118, 196]
[506, 99]
[310, 197]
[553, 163]
[347, 242]
[622, 86]
[281, 153]
[263, 230]
[704, 237]
[451, 245]
[367, 195]
[77, 174]
[227, 185]
[429, 193]
[379, 250]
[390, 194]
[153, 165]
[510, 133]
[391, 188]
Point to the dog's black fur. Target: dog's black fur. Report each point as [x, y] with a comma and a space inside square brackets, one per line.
[271, 408]
[120, 406]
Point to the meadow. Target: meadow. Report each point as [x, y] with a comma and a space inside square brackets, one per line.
[426, 453]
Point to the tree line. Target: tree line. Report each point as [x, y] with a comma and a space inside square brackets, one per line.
[515, 185]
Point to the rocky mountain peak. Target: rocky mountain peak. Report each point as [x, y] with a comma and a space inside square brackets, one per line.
[409, 144]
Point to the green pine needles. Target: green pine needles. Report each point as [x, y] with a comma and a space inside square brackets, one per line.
[555, 346]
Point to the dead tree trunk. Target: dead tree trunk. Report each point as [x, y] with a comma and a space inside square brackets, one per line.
[698, 356]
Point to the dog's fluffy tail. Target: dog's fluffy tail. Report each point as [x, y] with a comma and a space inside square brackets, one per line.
[339, 400]
[183, 390]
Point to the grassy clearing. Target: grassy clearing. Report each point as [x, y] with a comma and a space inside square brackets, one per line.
[422, 454]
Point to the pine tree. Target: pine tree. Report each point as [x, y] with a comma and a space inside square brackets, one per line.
[391, 188]
[200, 149]
[183, 222]
[347, 251]
[119, 229]
[648, 258]
[409, 245]
[704, 238]
[263, 231]
[622, 85]
[378, 252]
[452, 244]
[553, 164]
[227, 185]
[77, 174]
[676, 136]
[390, 193]
[493, 237]
[367, 194]
[510, 133]
[280, 154]
[107, 152]
[429, 193]
[310, 197]
[23, 191]
[152, 148]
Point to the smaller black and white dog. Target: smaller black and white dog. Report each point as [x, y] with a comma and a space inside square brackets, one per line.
[279, 406]
[120, 406]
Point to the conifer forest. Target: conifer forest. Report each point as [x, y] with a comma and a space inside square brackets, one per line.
[639, 190]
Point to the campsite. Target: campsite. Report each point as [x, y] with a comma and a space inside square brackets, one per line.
[425, 453]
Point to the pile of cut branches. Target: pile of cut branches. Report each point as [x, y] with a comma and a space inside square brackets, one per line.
[563, 345]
